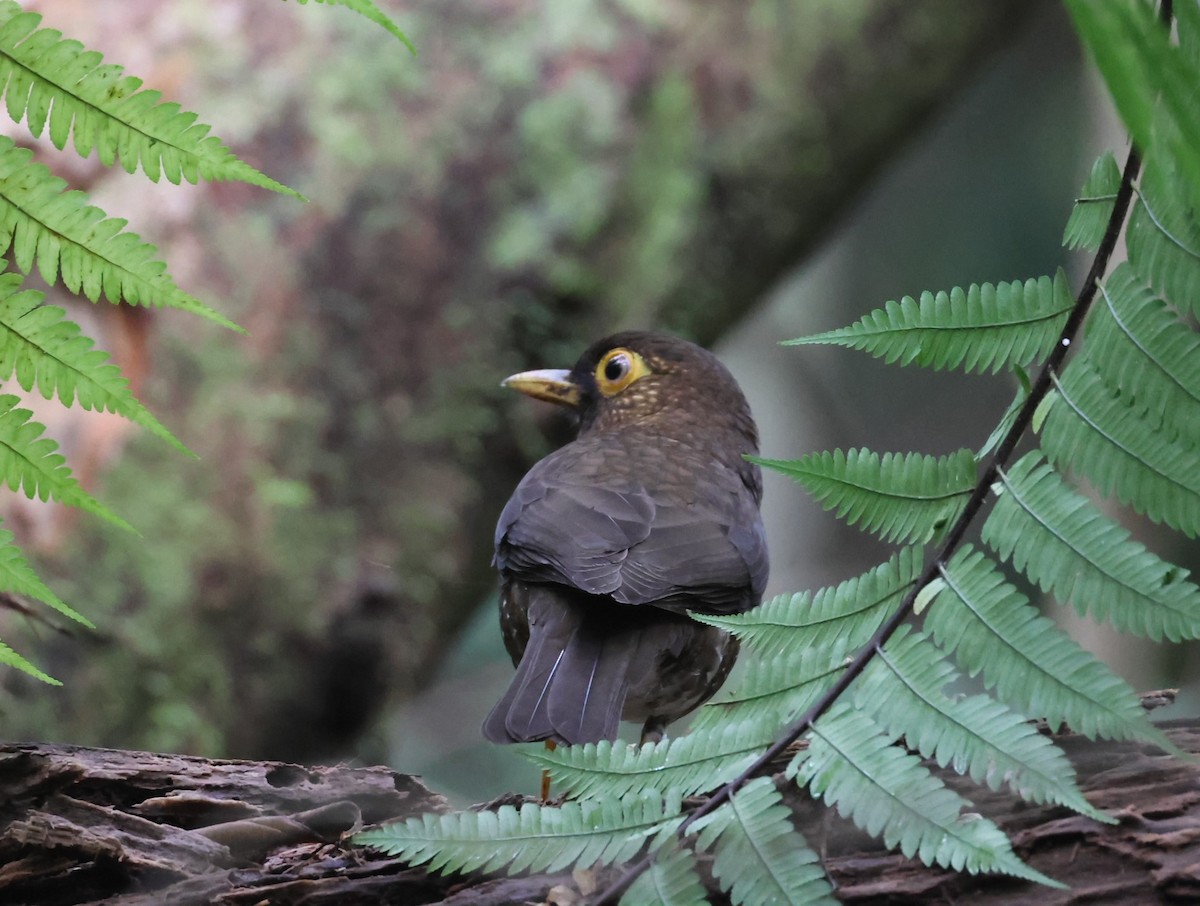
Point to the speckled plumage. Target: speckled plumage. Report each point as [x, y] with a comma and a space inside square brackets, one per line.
[607, 542]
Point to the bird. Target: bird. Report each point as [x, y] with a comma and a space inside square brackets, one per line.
[607, 543]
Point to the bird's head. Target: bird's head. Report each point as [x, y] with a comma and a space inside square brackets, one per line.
[652, 379]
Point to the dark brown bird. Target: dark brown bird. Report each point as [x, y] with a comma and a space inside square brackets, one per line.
[606, 543]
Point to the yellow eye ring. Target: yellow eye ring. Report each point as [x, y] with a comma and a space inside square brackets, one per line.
[618, 368]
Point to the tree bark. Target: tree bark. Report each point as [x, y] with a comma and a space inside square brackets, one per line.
[90, 825]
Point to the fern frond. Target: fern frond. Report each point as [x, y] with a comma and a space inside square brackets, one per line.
[1009, 418]
[10, 658]
[690, 764]
[901, 497]
[369, 10]
[847, 613]
[1163, 236]
[986, 327]
[18, 577]
[903, 691]
[889, 794]
[1094, 206]
[533, 838]
[50, 80]
[758, 857]
[1032, 665]
[61, 234]
[1152, 82]
[1141, 349]
[671, 881]
[30, 462]
[45, 350]
[1093, 430]
[1070, 549]
[775, 688]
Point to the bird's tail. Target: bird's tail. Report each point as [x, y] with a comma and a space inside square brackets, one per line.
[572, 680]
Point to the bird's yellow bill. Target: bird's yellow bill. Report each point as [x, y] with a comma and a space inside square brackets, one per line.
[550, 384]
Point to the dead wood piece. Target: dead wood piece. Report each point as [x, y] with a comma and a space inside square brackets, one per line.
[92, 832]
[255, 837]
[62, 848]
[193, 792]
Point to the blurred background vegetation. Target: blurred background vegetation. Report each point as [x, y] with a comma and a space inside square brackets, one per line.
[317, 586]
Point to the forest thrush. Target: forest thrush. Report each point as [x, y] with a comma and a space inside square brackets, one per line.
[609, 541]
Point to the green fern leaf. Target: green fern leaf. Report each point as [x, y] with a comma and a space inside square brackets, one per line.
[758, 857]
[985, 327]
[53, 81]
[370, 11]
[1188, 22]
[1093, 430]
[1031, 664]
[889, 794]
[1105, 32]
[1070, 549]
[1135, 341]
[17, 577]
[1094, 206]
[689, 764]
[533, 838]
[671, 881]
[902, 690]
[1163, 236]
[774, 689]
[1152, 82]
[10, 658]
[46, 351]
[93, 254]
[901, 497]
[1009, 418]
[846, 614]
[29, 462]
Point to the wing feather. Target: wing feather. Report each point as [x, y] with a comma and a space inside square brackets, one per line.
[697, 544]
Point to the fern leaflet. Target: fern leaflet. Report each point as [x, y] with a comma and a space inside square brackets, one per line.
[689, 764]
[18, 577]
[1093, 429]
[775, 688]
[670, 881]
[42, 224]
[1145, 352]
[53, 81]
[903, 692]
[1094, 206]
[30, 462]
[1069, 548]
[847, 613]
[369, 10]
[10, 658]
[985, 327]
[990, 628]
[901, 497]
[1164, 236]
[889, 794]
[45, 350]
[1152, 82]
[533, 838]
[758, 857]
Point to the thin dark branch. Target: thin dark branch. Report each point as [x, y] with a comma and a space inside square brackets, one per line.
[978, 497]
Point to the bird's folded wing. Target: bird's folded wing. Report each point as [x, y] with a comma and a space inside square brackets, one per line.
[634, 545]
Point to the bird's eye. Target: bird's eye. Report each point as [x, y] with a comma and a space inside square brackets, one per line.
[618, 369]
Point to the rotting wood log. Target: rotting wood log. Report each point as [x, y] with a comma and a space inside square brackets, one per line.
[133, 828]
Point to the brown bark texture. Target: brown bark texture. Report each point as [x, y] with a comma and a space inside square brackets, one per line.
[87, 825]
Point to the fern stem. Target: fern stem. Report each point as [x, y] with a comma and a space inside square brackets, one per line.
[1004, 452]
